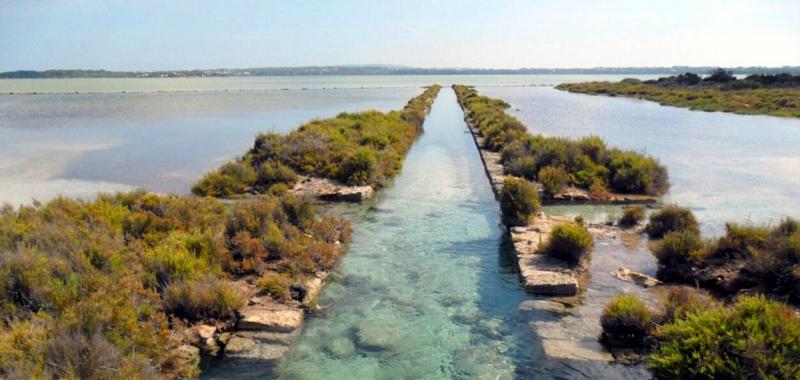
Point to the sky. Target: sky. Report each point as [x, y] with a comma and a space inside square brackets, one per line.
[184, 34]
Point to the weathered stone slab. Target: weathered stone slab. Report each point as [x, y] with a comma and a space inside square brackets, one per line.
[542, 305]
[278, 318]
[313, 287]
[637, 278]
[573, 350]
[331, 190]
[245, 348]
[542, 274]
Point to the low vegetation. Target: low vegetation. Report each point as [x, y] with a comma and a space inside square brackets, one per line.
[632, 215]
[761, 259]
[519, 202]
[558, 162]
[570, 242]
[693, 338]
[671, 218]
[364, 148]
[626, 322]
[753, 339]
[765, 94]
[93, 289]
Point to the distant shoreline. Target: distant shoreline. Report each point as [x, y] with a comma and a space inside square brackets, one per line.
[377, 70]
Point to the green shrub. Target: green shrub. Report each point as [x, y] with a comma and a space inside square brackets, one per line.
[204, 298]
[679, 247]
[632, 215]
[626, 322]
[553, 179]
[359, 168]
[671, 218]
[754, 339]
[519, 201]
[524, 167]
[633, 173]
[271, 173]
[569, 242]
[275, 285]
[680, 300]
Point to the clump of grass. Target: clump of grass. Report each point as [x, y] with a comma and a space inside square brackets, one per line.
[570, 242]
[680, 300]
[204, 298]
[669, 219]
[519, 201]
[275, 285]
[754, 339]
[679, 247]
[553, 179]
[632, 215]
[626, 322]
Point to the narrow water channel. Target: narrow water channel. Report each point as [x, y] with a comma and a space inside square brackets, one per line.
[423, 291]
[427, 290]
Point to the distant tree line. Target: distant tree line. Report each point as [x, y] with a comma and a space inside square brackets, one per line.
[384, 70]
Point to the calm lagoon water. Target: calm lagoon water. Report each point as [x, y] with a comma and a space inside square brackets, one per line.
[78, 144]
[726, 167]
[80, 136]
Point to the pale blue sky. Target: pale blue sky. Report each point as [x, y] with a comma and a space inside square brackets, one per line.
[181, 34]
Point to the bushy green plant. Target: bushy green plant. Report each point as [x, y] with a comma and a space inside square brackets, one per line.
[626, 322]
[669, 219]
[275, 285]
[677, 301]
[271, 173]
[571, 242]
[203, 298]
[519, 201]
[358, 168]
[754, 339]
[553, 179]
[632, 215]
[677, 247]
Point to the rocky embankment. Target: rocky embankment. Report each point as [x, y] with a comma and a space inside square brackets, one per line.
[539, 273]
[330, 190]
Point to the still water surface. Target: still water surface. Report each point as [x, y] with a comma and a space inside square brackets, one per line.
[726, 167]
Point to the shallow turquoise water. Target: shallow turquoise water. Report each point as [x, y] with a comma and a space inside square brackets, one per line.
[426, 290]
[422, 275]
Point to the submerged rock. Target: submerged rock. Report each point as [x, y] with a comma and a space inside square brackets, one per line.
[341, 347]
[637, 278]
[376, 336]
[543, 305]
